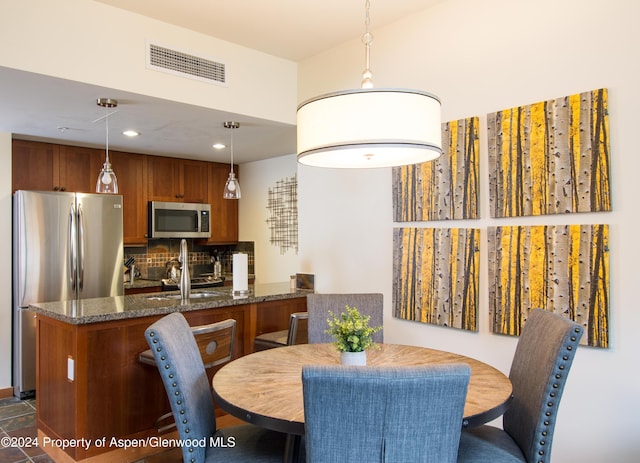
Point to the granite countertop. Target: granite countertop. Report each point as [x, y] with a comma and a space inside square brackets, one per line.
[142, 283]
[104, 309]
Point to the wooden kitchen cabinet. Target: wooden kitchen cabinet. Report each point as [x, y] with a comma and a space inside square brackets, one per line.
[195, 182]
[224, 212]
[78, 168]
[178, 180]
[49, 167]
[131, 171]
[141, 178]
[32, 165]
[163, 181]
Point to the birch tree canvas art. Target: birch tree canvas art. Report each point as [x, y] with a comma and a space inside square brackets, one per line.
[436, 276]
[561, 268]
[443, 189]
[550, 157]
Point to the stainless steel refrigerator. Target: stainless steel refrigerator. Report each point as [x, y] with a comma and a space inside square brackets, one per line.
[66, 246]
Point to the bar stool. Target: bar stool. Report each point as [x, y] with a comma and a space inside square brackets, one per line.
[296, 334]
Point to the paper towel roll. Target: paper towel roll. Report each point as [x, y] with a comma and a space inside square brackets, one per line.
[240, 273]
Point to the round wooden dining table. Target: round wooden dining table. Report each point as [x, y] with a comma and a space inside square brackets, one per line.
[265, 388]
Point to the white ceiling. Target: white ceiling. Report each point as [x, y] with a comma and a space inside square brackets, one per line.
[291, 29]
[40, 107]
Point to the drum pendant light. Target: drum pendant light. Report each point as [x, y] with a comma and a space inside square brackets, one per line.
[369, 127]
[232, 187]
[107, 181]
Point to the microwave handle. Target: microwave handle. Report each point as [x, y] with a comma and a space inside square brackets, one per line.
[197, 220]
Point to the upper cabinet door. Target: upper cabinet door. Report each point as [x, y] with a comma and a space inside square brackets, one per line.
[131, 171]
[32, 165]
[164, 178]
[194, 185]
[78, 169]
[180, 180]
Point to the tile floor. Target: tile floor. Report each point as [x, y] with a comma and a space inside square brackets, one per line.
[18, 420]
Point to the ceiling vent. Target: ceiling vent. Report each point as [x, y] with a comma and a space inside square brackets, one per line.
[185, 64]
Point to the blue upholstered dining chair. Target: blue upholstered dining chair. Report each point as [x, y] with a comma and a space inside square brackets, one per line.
[319, 305]
[185, 380]
[383, 414]
[539, 372]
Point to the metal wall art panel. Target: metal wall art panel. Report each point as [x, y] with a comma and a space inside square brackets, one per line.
[550, 157]
[282, 204]
[559, 268]
[443, 189]
[436, 276]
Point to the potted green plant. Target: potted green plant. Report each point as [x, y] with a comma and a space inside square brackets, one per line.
[353, 335]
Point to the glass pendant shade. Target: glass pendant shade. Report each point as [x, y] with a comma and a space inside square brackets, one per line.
[369, 128]
[107, 181]
[232, 187]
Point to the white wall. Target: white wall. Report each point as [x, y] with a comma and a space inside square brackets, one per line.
[255, 180]
[480, 57]
[5, 250]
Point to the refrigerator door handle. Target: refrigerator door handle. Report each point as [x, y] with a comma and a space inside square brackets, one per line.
[72, 246]
[81, 247]
[21, 287]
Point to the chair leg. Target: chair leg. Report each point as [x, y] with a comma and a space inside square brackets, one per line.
[168, 417]
[292, 449]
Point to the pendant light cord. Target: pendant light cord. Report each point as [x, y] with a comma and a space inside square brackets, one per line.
[107, 141]
[231, 125]
[232, 149]
[367, 38]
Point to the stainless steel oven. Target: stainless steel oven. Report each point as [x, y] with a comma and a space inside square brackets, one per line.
[179, 220]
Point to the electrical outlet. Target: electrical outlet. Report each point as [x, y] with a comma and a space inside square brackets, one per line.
[71, 374]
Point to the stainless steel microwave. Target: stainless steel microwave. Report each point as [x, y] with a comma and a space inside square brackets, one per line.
[179, 220]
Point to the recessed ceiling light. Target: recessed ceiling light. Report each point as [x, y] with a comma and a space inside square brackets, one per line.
[219, 146]
[130, 133]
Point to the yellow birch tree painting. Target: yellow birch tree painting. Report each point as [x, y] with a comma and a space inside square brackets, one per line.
[436, 276]
[559, 268]
[550, 157]
[443, 189]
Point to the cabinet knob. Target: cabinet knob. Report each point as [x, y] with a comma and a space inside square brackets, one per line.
[56, 188]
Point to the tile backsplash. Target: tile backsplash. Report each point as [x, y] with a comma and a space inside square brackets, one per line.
[151, 260]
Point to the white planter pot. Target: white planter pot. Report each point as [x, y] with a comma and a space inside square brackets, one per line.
[354, 358]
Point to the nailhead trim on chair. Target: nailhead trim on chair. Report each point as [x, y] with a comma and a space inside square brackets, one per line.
[552, 394]
[177, 393]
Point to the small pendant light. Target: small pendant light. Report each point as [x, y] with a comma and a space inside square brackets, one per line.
[107, 181]
[232, 187]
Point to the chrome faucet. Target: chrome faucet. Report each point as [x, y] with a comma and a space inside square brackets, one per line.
[185, 278]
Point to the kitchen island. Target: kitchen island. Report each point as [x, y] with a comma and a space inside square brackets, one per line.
[90, 384]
